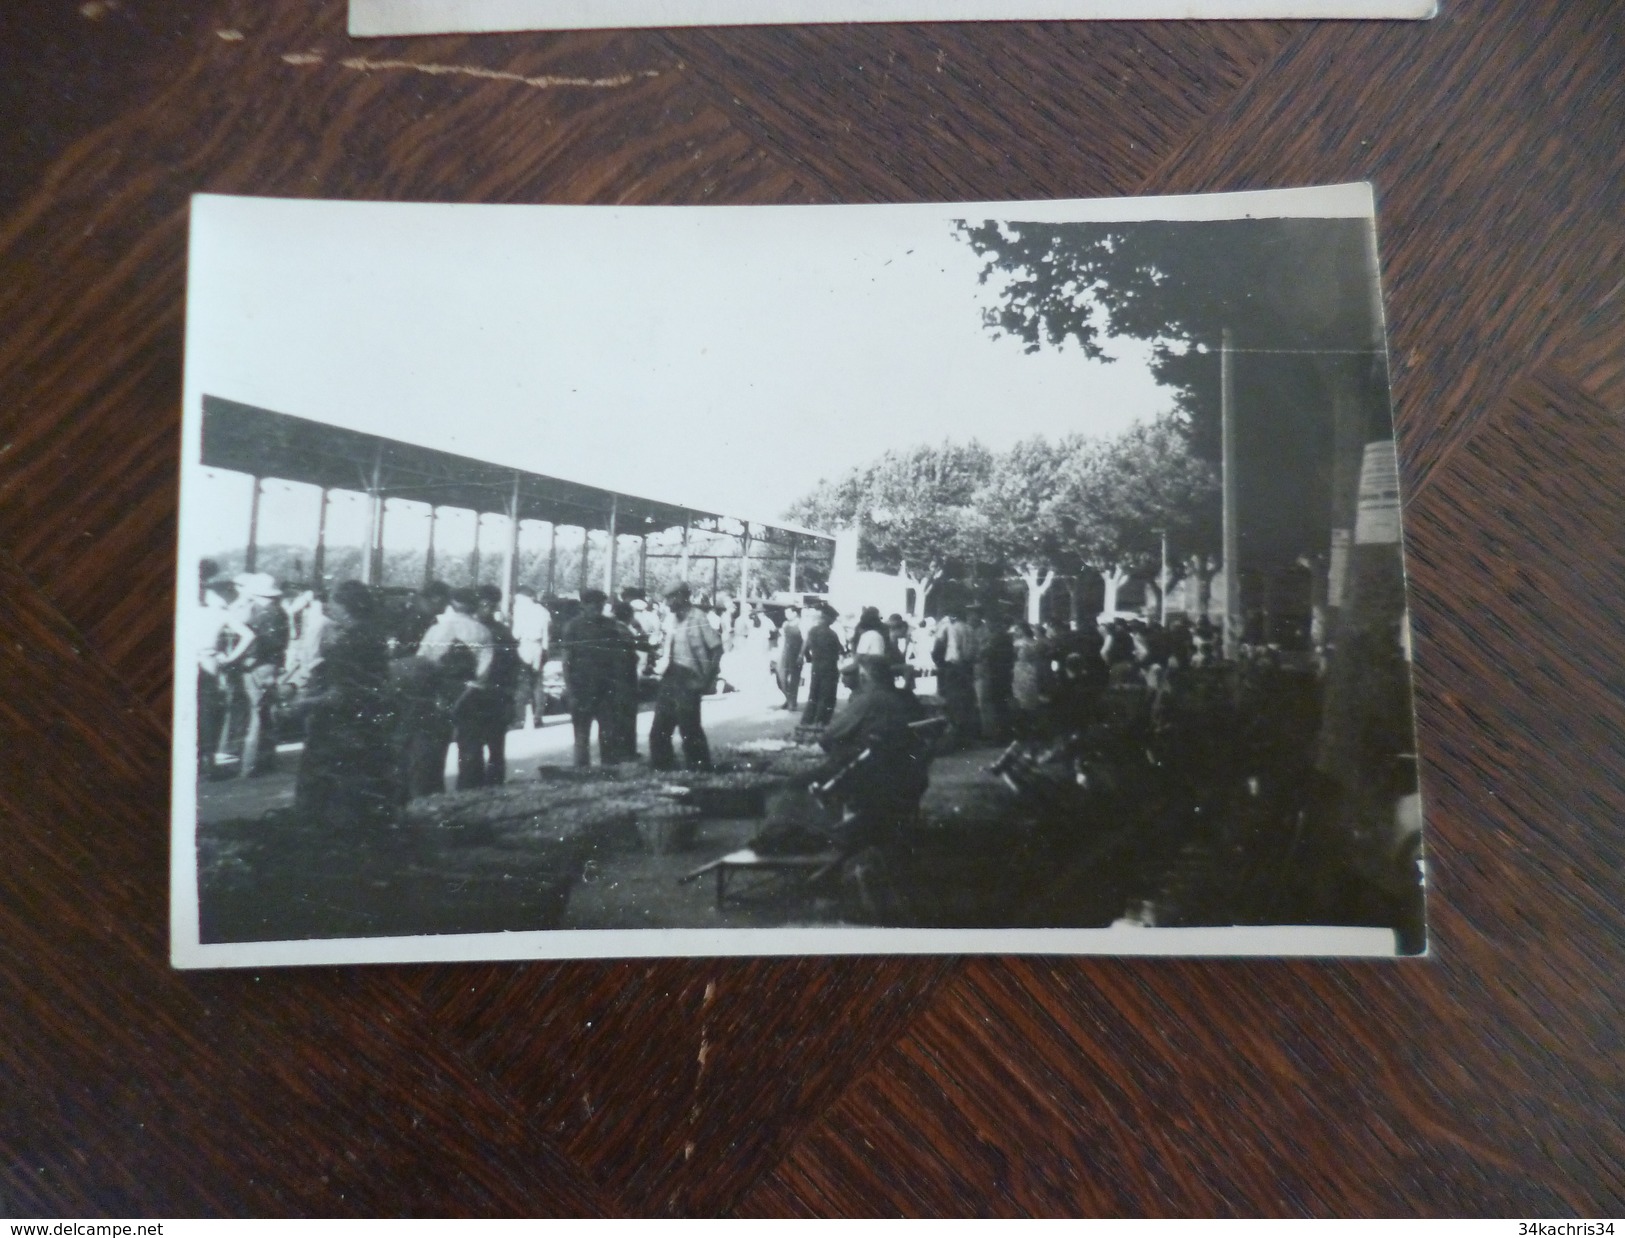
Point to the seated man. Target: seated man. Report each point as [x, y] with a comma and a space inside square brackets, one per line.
[877, 767]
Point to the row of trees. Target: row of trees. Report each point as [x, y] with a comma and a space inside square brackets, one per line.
[1045, 510]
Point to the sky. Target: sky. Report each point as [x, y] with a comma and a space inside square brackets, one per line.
[725, 359]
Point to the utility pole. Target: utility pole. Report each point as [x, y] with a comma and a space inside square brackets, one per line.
[1162, 582]
[1232, 533]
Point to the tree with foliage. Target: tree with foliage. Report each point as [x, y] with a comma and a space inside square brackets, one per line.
[1098, 505]
[1293, 286]
[1022, 517]
[1150, 485]
[1298, 299]
[915, 508]
[1296, 296]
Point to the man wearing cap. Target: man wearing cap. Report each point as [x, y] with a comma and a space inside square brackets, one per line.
[693, 657]
[255, 664]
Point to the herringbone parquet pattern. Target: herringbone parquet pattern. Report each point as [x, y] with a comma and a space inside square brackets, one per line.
[1488, 1079]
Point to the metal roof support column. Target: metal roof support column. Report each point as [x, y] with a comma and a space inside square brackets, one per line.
[474, 555]
[428, 555]
[744, 565]
[376, 552]
[510, 555]
[643, 563]
[581, 574]
[614, 545]
[552, 553]
[318, 561]
[371, 561]
[795, 545]
[688, 519]
[366, 554]
[252, 553]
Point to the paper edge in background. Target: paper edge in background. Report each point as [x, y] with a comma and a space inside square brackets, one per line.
[370, 18]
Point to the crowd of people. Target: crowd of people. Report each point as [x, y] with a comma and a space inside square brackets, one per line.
[996, 679]
[999, 680]
[380, 685]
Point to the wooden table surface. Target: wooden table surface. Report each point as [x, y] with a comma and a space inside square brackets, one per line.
[1486, 1079]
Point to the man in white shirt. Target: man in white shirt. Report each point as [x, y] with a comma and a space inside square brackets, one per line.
[693, 656]
[532, 628]
[462, 648]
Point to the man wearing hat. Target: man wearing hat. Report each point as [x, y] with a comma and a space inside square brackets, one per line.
[254, 665]
[824, 655]
[883, 789]
[693, 657]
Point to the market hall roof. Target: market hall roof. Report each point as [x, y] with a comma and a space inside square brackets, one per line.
[262, 443]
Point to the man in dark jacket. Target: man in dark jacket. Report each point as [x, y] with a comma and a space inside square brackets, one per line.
[594, 647]
[824, 654]
[630, 654]
[878, 765]
[995, 667]
[346, 772]
[488, 721]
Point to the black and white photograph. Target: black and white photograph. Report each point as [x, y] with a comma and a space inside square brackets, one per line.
[969, 577]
